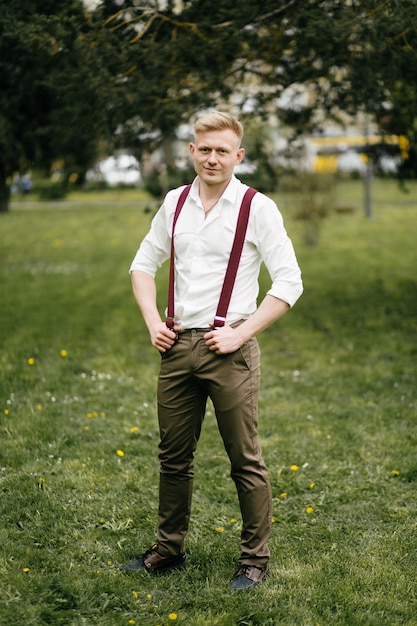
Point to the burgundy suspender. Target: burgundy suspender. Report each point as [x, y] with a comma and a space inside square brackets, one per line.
[232, 267]
[234, 259]
[170, 311]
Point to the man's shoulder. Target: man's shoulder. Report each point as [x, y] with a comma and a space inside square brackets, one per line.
[260, 197]
[263, 202]
[173, 195]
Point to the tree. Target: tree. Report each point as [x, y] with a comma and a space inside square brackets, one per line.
[353, 56]
[53, 88]
[177, 60]
[195, 54]
[132, 71]
[170, 65]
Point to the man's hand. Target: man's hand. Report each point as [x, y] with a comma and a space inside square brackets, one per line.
[162, 337]
[229, 339]
[224, 340]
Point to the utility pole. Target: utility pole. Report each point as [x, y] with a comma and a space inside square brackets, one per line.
[368, 171]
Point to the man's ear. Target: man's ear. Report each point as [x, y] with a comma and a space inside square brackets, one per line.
[192, 149]
[240, 155]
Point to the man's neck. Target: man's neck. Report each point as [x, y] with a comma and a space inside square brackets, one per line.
[210, 193]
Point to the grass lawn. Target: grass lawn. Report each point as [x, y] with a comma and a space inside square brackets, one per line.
[338, 425]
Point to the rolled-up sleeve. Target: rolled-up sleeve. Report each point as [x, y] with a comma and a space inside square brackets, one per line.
[277, 252]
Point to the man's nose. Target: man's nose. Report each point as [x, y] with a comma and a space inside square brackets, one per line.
[212, 156]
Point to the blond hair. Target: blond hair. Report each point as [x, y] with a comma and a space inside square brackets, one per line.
[216, 120]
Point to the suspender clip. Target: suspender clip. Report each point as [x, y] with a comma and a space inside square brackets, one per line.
[169, 322]
[219, 321]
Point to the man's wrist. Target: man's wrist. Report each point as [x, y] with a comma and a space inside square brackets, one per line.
[243, 334]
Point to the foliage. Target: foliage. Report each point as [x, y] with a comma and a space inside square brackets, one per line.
[368, 51]
[181, 59]
[337, 425]
[53, 95]
[129, 73]
[172, 63]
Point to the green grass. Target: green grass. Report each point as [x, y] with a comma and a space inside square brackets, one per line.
[338, 401]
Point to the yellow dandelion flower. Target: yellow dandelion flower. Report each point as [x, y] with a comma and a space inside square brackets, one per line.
[312, 485]
[273, 520]
[233, 521]
[149, 596]
[102, 520]
[63, 353]
[135, 594]
[294, 468]
[283, 495]
[134, 429]
[6, 411]
[172, 616]
[309, 509]
[39, 407]
[220, 529]
[42, 481]
[131, 621]
[120, 453]
[89, 415]
[31, 361]
[86, 428]
[26, 570]
[395, 473]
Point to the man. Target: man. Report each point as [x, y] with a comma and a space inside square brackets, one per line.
[200, 360]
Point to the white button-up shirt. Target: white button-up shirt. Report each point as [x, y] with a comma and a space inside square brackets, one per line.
[202, 249]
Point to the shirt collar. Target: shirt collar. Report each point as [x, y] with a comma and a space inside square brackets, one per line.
[229, 193]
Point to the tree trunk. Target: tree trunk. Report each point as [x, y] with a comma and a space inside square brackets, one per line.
[4, 196]
[167, 177]
[168, 152]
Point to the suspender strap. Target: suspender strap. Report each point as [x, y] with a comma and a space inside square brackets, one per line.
[232, 267]
[170, 311]
[234, 259]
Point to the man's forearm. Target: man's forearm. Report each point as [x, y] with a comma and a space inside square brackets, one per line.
[227, 339]
[144, 290]
[269, 311]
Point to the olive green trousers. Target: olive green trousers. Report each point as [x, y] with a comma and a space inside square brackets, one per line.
[190, 374]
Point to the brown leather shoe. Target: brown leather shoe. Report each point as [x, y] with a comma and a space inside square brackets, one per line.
[248, 576]
[152, 561]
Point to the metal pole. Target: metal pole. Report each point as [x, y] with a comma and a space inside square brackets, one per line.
[368, 172]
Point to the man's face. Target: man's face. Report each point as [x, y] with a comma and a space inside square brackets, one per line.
[215, 154]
